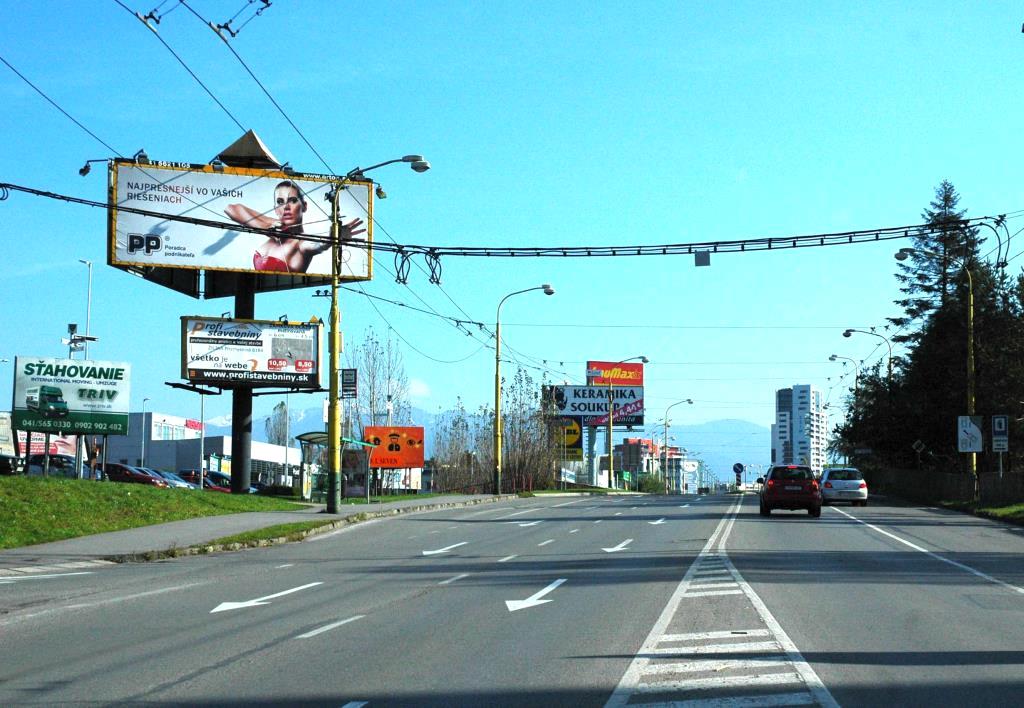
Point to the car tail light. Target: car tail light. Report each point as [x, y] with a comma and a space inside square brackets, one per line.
[863, 485]
[771, 483]
[828, 485]
[814, 485]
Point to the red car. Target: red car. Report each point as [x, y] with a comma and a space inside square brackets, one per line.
[209, 482]
[790, 487]
[117, 472]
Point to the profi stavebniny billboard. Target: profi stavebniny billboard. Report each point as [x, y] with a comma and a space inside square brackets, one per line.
[71, 396]
[293, 205]
[228, 353]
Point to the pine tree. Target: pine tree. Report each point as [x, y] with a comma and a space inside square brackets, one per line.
[929, 277]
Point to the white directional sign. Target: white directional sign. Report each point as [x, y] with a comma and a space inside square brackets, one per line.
[1000, 433]
[969, 438]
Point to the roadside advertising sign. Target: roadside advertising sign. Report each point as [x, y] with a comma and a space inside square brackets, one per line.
[590, 403]
[969, 438]
[395, 446]
[295, 205]
[628, 374]
[249, 353]
[59, 444]
[569, 439]
[6, 436]
[71, 396]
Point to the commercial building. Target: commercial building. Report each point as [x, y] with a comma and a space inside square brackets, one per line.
[799, 430]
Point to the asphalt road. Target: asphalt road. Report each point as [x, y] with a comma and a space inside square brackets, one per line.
[545, 601]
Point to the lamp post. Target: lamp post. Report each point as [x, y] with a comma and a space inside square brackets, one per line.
[664, 468]
[611, 416]
[548, 290]
[144, 432]
[856, 370]
[849, 333]
[418, 164]
[88, 305]
[902, 255]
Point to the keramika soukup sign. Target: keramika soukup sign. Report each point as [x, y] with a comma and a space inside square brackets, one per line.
[395, 446]
[590, 403]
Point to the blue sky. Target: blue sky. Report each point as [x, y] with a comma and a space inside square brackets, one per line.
[591, 123]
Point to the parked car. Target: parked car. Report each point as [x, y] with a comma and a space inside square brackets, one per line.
[213, 485]
[790, 487]
[844, 484]
[173, 480]
[117, 472]
[9, 464]
[60, 466]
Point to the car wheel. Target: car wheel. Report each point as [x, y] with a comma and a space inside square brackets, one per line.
[815, 511]
[824, 502]
[765, 510]
[864, 503]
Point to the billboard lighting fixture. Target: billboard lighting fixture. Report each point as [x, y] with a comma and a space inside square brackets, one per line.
[85, 169]
[226, 314]
[381, 194]
[217, 165]
[141, 157]
[287, 168]
[282, 318]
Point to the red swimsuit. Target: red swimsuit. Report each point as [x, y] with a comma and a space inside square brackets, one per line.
[260, 262]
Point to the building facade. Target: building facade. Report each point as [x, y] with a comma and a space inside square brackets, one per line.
[800, 428]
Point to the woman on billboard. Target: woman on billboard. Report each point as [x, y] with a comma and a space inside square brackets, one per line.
[279, 253]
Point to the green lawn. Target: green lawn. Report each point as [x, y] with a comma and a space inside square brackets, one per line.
[37, 510]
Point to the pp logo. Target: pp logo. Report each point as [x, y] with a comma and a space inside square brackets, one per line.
[148, 243]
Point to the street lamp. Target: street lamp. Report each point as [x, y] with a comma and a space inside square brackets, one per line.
[611, 416]
[856, 369]
[849, 333]
[548, 290]
[334, 339]
[902, 255]
[144, 432]
[664, 468]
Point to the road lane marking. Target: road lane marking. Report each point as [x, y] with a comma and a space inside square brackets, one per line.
[534, 599]
[575, 531]
[532, 523]
[7, 579]
[683, 506]
[355, 704]
[226, 606]
[328, 628]
[451, 580]
[642, 678]
[544, 543]
[618, 513]
[656, 523]
[712, 585]
[936, 556]
[286, 565]
[518, 513]
[716, 665]
[508, 558]
[566, 503]
[445, 549]
[597, 521]
[620, 547]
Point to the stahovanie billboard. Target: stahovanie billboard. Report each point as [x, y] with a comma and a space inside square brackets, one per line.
[71, 396]
[232, 353]
[294, 205]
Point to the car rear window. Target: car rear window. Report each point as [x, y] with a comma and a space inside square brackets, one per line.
[845, 475]
[792, 473]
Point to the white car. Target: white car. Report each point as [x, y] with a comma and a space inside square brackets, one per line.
[844, 484]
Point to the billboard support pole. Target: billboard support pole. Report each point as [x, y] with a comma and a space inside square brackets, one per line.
[241, 398]
[334, 339]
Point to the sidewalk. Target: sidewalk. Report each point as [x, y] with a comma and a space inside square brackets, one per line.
[148, 542]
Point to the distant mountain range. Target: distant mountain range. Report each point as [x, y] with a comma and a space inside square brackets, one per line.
[720, 443]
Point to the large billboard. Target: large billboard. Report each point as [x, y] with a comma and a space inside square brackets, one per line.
[294, 206]
[591, 403]
[71, 396]
[229, 353]
[620, 374]
[395, 446]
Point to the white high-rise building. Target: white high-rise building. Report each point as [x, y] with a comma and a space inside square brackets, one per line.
[799, 431]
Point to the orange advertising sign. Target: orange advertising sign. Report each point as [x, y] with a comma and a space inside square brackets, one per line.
[629, 374]
[395, 446]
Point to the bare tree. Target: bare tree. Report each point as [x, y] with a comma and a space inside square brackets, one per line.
[276, 424]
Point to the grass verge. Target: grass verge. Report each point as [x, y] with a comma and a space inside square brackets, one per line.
[290, 532]
[1011, 513]
[39, 510]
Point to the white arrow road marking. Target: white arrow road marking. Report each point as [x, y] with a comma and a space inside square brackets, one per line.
[329, 627]
[225, 606]
[532, 523]
[445, 549]
[659, 521]
[534, 599]
[620, 547]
